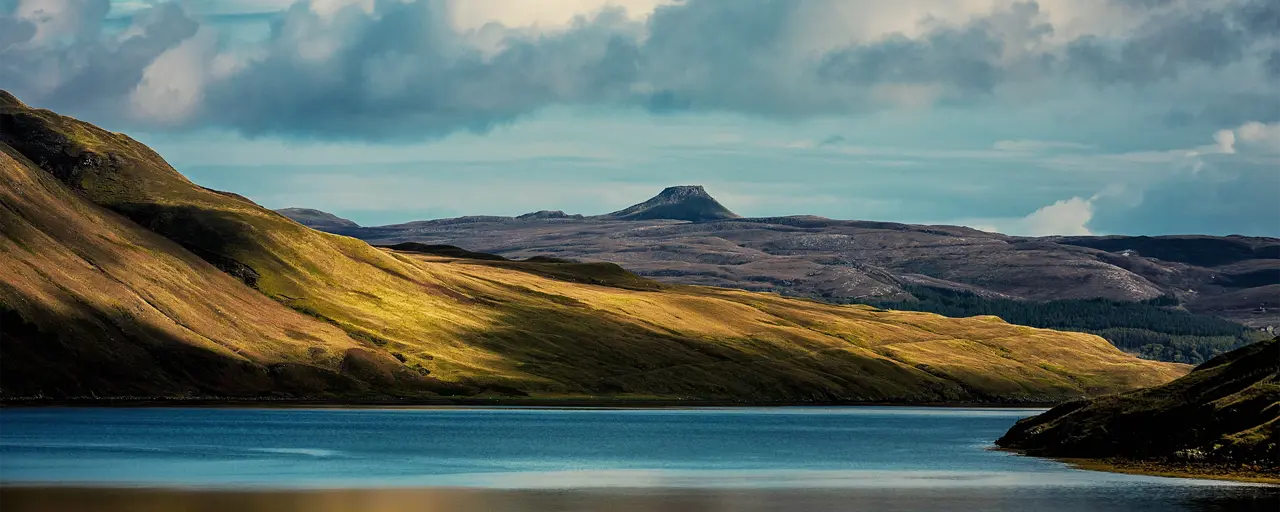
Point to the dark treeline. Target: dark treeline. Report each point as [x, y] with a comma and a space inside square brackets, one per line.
[1153, 329]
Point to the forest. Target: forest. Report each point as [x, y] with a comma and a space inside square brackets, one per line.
[1153, 329]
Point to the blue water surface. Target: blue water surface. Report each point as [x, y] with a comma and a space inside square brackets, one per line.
[788, 448]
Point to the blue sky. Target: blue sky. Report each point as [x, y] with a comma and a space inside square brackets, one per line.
[1056, 117]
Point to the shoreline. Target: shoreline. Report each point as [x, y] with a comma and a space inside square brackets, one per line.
[1160, 469]
[549, 403]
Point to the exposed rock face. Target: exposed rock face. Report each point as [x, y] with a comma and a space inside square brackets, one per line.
[685, 202]
[316, 218]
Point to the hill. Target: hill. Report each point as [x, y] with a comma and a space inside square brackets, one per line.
[1154, 328]
[686, 202]
[316, 218]
[1224, 414]
[123, 278]
[1185, 277]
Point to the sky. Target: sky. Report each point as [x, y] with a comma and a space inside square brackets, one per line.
[1024, 117]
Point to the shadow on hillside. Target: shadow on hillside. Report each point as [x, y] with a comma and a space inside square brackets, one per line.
[594, 352]
[100, 354]
[215, 236]
[595, 273]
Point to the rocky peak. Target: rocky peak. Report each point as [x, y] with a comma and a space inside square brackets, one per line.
[683, 192]
[684, 202]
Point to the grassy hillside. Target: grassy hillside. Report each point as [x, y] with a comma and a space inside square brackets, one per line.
[112, 286]
[1153, 329]
[1225, 412]
[92, 303]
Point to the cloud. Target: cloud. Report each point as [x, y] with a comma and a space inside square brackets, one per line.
[1035, 146]
[1261, 136]
[1255, 136]
[833, 140]
[1164, 46]
[1063, 217]
[408, 70]
[1219, 199]
[1226, 140]
[1066, 217]
[72, 65]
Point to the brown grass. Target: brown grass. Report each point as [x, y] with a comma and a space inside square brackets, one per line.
[121, 238]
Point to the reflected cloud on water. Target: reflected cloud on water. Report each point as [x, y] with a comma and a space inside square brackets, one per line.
[966, 499]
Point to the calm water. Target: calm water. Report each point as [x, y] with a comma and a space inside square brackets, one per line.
[548, 459]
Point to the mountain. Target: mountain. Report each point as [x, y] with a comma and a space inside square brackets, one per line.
[1226, 412]
[549, 214]
[123, 278]
[1233, 277]
[316, 218]
[686, 202]
[1190, 277]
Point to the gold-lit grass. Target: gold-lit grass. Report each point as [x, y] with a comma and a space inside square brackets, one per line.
[120, 243]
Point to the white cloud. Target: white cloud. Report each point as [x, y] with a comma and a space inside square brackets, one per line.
[1252, 137]
[470, 14]
[1226, 140]
[328, 8]
[172, 86]
[1032, 146]
[1064, 217]
[1261, 136]
[55, 19]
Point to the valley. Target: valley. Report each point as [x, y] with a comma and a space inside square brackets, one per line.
[123, 278]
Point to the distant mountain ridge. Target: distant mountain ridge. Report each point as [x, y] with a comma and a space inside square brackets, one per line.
[1230, 277]
[549, 214]
[316, 218]
[1234, 277]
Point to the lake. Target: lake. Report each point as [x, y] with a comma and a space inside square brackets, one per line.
[786, 458]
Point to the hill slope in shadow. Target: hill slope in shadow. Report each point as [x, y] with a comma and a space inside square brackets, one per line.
[124, 278]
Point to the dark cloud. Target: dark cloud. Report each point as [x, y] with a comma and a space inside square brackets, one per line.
[1210, 202]
[967, 58]
[92, 74]
[1260, 17]
[15, 31]
[1159, 49]
[963, 58]
[833, 140]
[732, 56]
[402, 72]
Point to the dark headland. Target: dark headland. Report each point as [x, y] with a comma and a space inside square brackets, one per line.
[1220, 420]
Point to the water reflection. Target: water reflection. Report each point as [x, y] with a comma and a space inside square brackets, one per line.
[1215, 499]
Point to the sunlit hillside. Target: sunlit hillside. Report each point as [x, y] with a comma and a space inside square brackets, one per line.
[121, 277]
